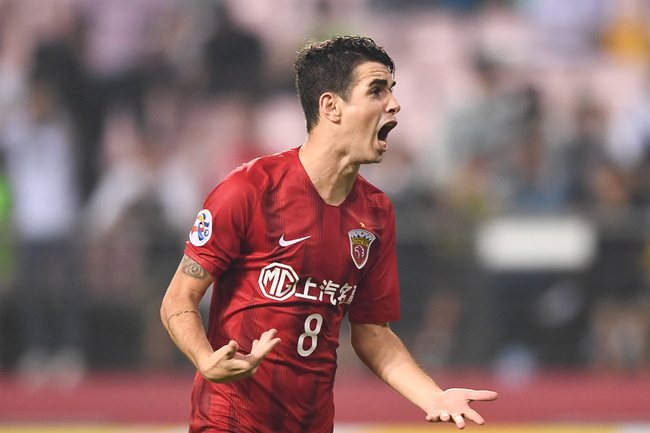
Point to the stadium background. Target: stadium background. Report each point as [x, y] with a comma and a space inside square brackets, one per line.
[519, 175]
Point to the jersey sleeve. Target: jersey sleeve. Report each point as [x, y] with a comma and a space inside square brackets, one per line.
[377, 298]
[216, 236]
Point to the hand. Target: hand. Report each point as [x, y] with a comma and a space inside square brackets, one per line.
[227, 365]
[453, 406]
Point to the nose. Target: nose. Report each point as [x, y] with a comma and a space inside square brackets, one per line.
[393, 105]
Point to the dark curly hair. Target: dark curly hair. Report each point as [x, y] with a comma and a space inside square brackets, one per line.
[328, 66]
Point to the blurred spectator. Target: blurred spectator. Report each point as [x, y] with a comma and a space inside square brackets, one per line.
[13, 84]
[133, 222]
[483, 129]
[533, 180]
[621, 335]
[535, 184]
[617, 280]
[121, 61]
[234, 59]
[6, 243]
[628, 144]
[59, 59]
[584, 152]
[613, 191]
[12, 89]
[629, 132]
[40, 165]
[469, 189]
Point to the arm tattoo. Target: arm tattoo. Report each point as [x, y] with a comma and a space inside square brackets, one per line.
[180, 313]
[192, 269]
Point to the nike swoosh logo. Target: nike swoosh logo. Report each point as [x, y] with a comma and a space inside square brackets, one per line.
[284, 243]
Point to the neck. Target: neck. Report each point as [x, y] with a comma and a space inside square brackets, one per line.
[329, 170]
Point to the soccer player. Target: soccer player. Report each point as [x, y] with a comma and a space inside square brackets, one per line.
[293, 242]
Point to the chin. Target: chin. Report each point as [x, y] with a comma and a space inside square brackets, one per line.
[376, 160]
[374, 156]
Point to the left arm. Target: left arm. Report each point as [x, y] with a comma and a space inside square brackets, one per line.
[385, 355]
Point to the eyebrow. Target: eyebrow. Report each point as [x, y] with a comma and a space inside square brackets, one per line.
[381, 82]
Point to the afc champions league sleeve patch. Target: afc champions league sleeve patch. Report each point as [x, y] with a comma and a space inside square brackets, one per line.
[360, 241]
[202, 229]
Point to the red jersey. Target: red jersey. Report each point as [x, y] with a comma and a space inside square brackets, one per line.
[285, 259]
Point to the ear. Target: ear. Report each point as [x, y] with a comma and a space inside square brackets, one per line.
[330, 106]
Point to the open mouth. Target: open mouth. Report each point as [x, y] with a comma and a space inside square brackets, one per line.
[382, 135]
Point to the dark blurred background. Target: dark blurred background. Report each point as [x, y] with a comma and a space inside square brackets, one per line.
[519, 171]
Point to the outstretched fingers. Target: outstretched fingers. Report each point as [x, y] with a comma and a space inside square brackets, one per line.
[265, 344]
[472, 415]
[457, 419]
[481, 395]
[453, 406]
[227, 364]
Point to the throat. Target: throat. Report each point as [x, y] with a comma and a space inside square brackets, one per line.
[332, 178]
[334, 194]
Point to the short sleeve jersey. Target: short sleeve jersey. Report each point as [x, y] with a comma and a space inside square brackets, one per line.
[285, 259]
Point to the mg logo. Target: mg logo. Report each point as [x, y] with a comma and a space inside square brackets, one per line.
[278, 281]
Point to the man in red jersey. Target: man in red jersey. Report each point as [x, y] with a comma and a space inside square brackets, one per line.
[293, 242]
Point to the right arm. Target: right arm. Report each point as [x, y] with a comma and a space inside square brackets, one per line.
[180, 315]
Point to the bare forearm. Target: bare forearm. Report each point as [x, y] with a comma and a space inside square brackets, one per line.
[179, 311]
[385, 354]
[387, 357]
[185, 327]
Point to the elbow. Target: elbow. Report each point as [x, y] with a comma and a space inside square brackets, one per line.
[163, 313]
[366, 339]
[357, 342]
[166, 310]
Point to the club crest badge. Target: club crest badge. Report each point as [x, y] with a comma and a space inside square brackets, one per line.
[360, 241]
[202, 229]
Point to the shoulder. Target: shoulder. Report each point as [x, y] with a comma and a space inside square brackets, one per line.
[258, 174]
[261, 171]
[375, 195]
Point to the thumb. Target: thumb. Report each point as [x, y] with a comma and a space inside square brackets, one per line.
[228, 351]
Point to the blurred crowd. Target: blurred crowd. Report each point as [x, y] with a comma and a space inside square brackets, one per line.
[117, 117]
